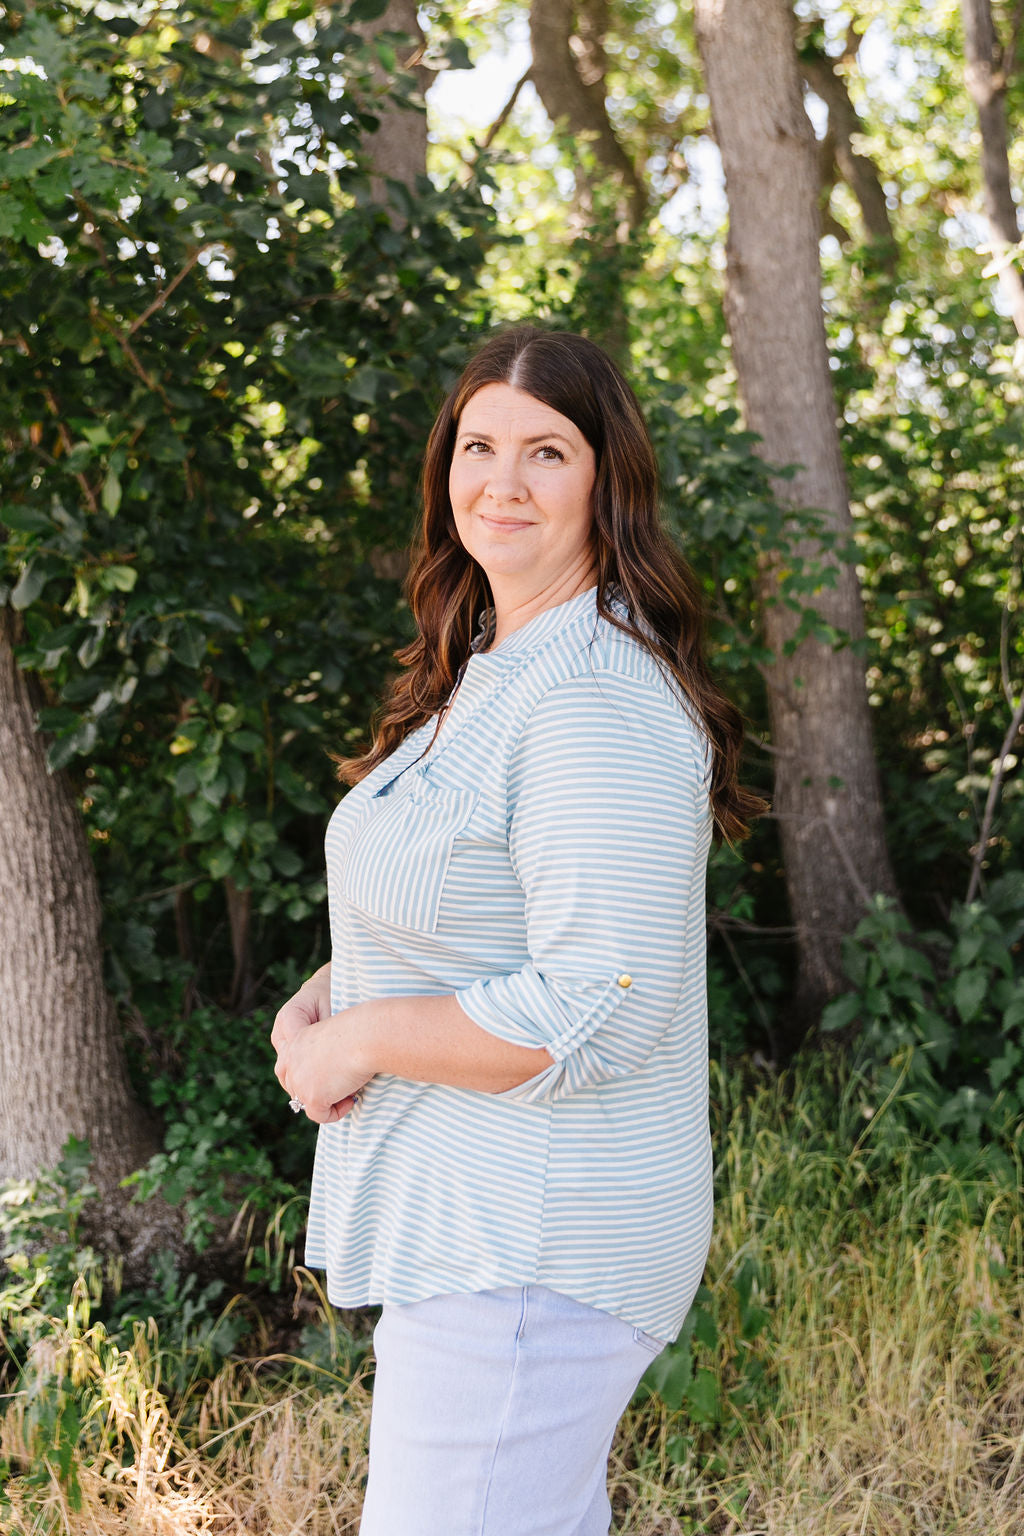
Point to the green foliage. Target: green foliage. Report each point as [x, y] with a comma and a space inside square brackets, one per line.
[42, 1252]
[47, 1267]
[220, 360]
[714, 1374]
[52, 1287]
[940, 1014]
[229, 1153]
[932, 437]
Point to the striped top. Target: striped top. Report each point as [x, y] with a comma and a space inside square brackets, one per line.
[544, 861]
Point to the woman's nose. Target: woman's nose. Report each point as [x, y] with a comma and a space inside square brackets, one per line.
[505, 481]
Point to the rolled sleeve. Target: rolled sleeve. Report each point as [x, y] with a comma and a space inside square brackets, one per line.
[606, 803]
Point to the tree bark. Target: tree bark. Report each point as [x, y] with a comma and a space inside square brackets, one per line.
[398, 149]
[827, 796]
[62, 1068]
[986, 82]
[239, 904]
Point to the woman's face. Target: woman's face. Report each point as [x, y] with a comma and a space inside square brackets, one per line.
[520, 486]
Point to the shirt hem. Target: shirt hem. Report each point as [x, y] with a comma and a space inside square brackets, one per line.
[376, 1296]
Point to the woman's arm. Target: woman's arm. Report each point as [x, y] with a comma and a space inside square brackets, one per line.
[425, 1039]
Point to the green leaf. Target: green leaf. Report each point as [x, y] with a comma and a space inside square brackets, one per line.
[25, 519]
[157, 108]
[842, 1012]
[702, 1397]
[110, 496]
[80, 740]
[89, 650]
[215, 790]
[753, 1321]
[31, 583]
[1005, 1066]
[189, 646]
[705, 1329]
[260, 653]
[233, 827]
[1013, 1014]
[671, 1373]
[678, 1449]
[220, 863]
[969, 992]
[234, 767]
[185, 780]
[119, 578]
[364, 384]
[286, 861]
[98, 435]
[456, 54]
[366, 10]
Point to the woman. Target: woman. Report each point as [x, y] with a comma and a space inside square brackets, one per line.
[507, 1053]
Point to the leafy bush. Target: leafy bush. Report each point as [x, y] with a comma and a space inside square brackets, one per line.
[941, 1013]
[231, 1151]
[67, 1328]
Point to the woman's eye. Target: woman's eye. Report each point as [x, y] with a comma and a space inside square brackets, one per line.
[473, 446]
[550, 453]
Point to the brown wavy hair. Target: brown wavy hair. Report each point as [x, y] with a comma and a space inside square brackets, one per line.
[635, 559]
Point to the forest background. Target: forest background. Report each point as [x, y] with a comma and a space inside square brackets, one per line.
[240, 267]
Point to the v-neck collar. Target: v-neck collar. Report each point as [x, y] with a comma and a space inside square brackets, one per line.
[536, 630]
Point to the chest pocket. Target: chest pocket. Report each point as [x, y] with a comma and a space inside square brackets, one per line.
[397, 866]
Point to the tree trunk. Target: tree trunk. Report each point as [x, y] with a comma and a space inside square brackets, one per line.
[62, 1069]
[239, 903]
[986, 81]
[398, 149]
[827, 796]
[568, 70]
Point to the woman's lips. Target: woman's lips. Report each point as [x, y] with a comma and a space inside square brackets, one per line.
[505, 524]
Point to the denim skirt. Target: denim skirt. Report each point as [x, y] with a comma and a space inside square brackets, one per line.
[494, 1412]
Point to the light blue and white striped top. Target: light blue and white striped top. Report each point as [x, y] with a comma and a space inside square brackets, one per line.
[545, 862]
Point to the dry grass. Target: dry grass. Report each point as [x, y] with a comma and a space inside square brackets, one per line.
[263, 1456]
[905, 1418]
[893, 1403]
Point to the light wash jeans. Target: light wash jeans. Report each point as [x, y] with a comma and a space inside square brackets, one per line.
[493, 1414]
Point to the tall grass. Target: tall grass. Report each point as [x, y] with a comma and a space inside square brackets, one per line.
[888, 1394]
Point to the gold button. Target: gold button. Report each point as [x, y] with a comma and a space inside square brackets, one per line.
[625, 980]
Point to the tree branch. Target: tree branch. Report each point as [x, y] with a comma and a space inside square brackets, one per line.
[987, 86]
[858, 171]
[574, 95]
[165, 293]
[1010, 51]
[506, 111]
[65, 437]
[992, 798]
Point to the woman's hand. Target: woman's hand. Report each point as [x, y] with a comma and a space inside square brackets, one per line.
[310, 1004]
[300, 1050]
[320, 1066]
